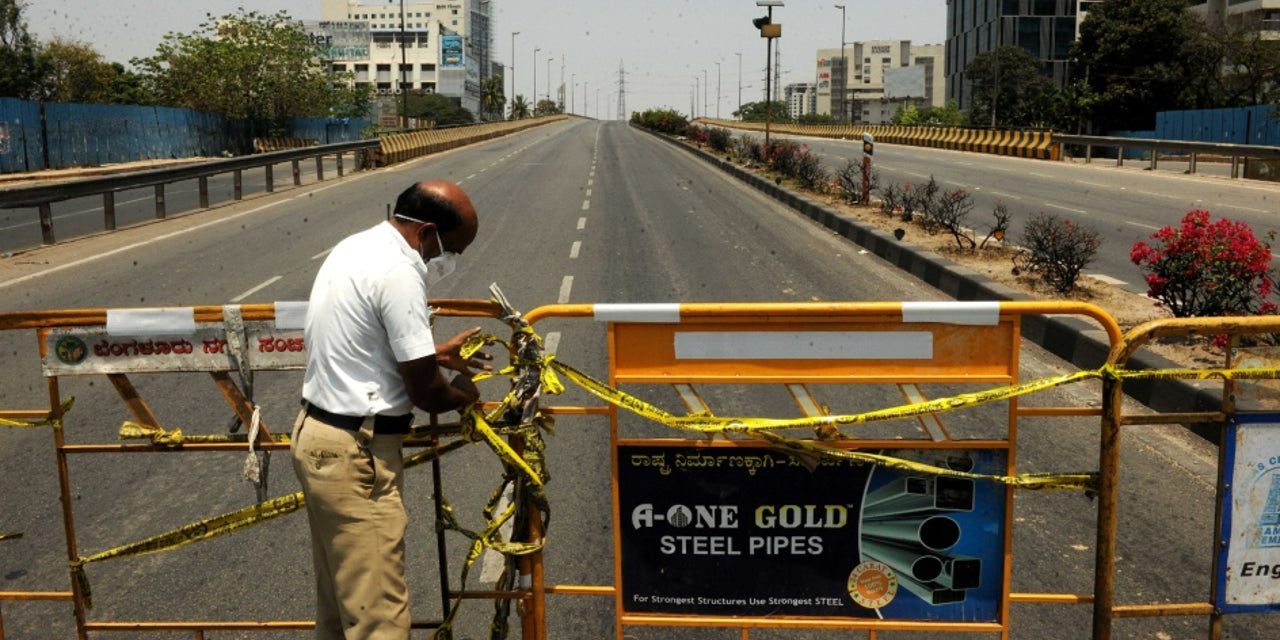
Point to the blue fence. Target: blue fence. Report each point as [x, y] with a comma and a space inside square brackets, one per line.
[80, 135]
[1242, 125]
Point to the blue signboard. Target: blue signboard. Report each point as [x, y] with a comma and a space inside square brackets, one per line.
[751, 531]
[451, 52]
[1248, 563]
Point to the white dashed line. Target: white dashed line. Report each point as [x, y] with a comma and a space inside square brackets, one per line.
[1236, 206]
[586, 204]
[322, 254]
[582, 224]
[1139, 224]
[256, 289]
[565, 288]
[573, 251]
[471, 176]
[588, 194]
[1058, 206]
[551, 343]
[591, 175]
[590, 182]
[1005, 195]
[484, 169]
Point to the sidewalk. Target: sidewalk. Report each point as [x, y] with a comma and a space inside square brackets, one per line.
[15, 180]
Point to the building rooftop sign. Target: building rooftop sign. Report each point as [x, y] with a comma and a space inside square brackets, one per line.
[345, 40]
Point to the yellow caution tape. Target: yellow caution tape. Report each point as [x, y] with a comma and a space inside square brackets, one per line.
[56, 423]
[11, 536]
[223, 524]
[174, 437]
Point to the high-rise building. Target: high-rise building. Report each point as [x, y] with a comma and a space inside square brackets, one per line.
[801, 99]
[447, 46]
[1046, 28]
[1256, 15]
[872, 67]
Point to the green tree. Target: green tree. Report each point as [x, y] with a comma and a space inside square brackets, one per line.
[439, 108]
[75, 72]
[756, 111]
[258, 67]
[816, 118]
[519, 108]
[944, 116]
[21, 67]
[907, 114]
[546, 107]
[492, 98]
[1009, 81]
[128, 87]
[1134, 56]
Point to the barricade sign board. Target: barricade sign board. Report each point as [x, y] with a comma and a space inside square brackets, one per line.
[751, 531]
[1248, 567]
[95, 351]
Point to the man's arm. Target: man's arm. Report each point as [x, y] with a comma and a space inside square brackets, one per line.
[429, 390]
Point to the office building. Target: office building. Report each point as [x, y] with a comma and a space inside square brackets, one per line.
[802, 99]
[1046, 28]
[870, 66]
[447, 46]
[1256, 15]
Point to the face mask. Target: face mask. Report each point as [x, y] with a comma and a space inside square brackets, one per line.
[439, 267]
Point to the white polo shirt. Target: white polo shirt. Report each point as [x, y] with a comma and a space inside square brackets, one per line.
[368, 311]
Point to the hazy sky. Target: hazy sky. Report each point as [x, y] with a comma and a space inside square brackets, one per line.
[663, 43]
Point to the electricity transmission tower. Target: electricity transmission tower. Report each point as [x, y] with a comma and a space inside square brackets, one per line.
[622, 92]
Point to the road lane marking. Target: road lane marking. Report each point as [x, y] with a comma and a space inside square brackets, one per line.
[590, 182]
[1065, 208]
[1006, 195]
[582, 223]
[573, 251]
[913, 173]
[588, 193]
[551, 343]
[269, 282]
[1236, 206]
[586, 204]
[322, 254]
[484, 170]
[591, 175]
[565, 288]
[470, 177]
[1139, 224]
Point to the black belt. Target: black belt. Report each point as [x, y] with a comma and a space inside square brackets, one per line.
[382, 425]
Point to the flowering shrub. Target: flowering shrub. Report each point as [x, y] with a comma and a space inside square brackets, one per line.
[809, 171]
[718, 138]
[781, 156]
[1056, 249]
[664, 120]
[1207, 267]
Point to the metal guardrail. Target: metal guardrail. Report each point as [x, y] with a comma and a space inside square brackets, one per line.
[1194, 149]
[44, 195]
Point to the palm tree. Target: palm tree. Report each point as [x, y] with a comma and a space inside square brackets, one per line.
[492, 99]
[519, 108]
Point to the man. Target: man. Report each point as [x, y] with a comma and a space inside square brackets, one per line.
[370, 360]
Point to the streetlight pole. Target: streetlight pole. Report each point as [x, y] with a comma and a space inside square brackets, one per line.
[844, 69]
[717, 90]
[535, 79]
[739, 54]
[585, 110]
[512, 99]
[573, 91]
[705, 85]
[404, 92]
[768, 31]
[549, 59]
[695, 97]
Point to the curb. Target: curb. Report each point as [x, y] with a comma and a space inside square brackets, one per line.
[1071, 339]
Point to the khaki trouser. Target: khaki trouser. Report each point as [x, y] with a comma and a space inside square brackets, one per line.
[353, 483]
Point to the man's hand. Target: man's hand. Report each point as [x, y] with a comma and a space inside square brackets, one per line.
[463, 384]
[449, 356]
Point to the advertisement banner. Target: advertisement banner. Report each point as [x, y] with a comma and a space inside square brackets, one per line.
[751, 531]
[451, 52]
[1248, 571]
[339, 41]
[85, 351]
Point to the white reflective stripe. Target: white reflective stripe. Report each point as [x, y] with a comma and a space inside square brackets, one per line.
[164, 321]
[808, 404]
[804, 345]
[931, 423]
[291, 315]
[660, 312]
[972, 313]
[691, 399]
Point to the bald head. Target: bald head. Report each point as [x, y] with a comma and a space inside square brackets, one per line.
[438, 206]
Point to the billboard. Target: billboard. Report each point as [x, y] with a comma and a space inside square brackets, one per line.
[339, 40]
[904, 82]
[751, 531]
[452, 55]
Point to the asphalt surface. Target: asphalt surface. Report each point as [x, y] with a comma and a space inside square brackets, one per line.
[1125, 205]
[579, 212]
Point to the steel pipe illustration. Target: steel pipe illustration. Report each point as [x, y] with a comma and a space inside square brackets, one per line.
[937, 533]
[914, 495]
[907, 561]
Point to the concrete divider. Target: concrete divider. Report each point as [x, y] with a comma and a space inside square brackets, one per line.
[400, 147]
[1004, 142]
